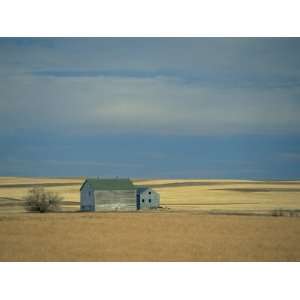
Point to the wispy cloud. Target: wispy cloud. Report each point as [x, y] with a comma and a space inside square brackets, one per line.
[246, 82]
[101, 73]
[159, 104]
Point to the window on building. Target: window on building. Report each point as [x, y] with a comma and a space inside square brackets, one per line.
[149, 200]
[149, 193]
[90, 194]
[143, 200]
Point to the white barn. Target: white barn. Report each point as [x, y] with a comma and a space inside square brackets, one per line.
[116, 194]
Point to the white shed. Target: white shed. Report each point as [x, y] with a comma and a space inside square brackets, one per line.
[147, 198]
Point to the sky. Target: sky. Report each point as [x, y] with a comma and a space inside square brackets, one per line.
[150, 107]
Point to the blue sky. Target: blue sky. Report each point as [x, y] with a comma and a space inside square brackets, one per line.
[150, 107]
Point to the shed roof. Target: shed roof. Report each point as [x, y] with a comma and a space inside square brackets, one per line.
[142, 189]
[109, 184]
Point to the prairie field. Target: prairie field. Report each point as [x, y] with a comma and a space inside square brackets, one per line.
[199, 220]
[148, 236]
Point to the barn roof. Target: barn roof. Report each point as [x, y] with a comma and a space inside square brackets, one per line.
[142, 189]
[109, 184]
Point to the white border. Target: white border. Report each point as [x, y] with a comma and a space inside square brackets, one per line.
[149, 18]
[149, 281]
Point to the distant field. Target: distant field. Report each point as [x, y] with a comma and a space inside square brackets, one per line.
[176, 194]
[148, 236]
[230, 195]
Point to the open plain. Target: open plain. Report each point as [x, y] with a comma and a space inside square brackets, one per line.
[200, 220]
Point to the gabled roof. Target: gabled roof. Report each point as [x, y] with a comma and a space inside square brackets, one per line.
[142, 189]
[109, 184]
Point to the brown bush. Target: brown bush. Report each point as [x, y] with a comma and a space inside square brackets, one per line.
[42, 201]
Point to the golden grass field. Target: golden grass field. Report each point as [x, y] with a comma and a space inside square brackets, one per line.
[148, 236]
[201, 220]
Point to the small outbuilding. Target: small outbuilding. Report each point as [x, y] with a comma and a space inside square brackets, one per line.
[115, 194]
[147, 198]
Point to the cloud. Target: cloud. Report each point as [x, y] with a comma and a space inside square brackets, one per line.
[216, 59]
[182, 86]
[156, 105]
[98, 73]
[199, 79]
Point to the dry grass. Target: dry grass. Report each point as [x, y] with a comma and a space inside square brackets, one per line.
[227, 195]
[36, 180]
[162, 236]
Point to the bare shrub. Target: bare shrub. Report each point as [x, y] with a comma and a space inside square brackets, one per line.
[42, 201]
[285, 212]
[293, 213]
[277, 212]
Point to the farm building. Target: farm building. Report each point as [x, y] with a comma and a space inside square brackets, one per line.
[115, 194]
[147, 198]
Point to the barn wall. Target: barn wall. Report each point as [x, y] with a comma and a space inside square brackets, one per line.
[153, 197]
[87, 198]
[115, 200]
